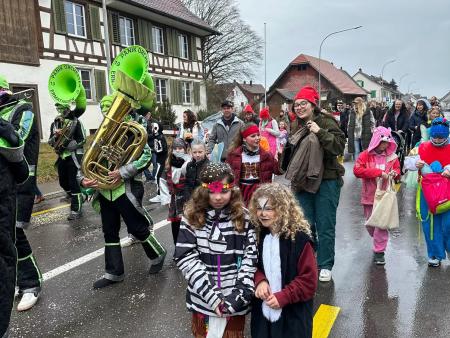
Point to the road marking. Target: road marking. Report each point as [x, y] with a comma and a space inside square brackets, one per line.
[89, 257]
[48, 210]
[324, 320]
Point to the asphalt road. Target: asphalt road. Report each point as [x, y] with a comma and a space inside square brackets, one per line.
[404, 298]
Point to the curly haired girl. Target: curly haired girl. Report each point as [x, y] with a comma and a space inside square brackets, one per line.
[216, 251]
[286, 279]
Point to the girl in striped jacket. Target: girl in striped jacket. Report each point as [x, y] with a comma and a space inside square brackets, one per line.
[216, 251]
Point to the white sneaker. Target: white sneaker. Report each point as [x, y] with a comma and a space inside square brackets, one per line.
[156, 199]
[28, 300]
[325, 275]
[128, 241]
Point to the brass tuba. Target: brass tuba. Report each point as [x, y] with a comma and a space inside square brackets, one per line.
[118, 142]
[66, 89]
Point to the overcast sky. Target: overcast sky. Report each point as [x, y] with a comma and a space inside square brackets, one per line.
[416, 33]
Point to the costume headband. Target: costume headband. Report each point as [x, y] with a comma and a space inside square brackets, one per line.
[217, 186]
[250, 130]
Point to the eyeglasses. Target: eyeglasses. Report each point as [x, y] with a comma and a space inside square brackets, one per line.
[301, 104]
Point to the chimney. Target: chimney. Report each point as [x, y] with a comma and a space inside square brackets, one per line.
[245, 82]
[251, 82]
[332, 63]
[360, 69]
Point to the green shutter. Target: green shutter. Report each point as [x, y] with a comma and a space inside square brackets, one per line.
[144, 32]
[59, 16]
[193, 48]
[173, 47]
[94, 19]
[170, 47]
[175, 92]
[100, 84]
[197, 93]
[114, 29]
[373, 94]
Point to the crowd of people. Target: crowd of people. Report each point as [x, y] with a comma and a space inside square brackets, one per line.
[243, 242]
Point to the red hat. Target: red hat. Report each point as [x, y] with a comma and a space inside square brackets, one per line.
[307, 93]
[264, 113]
[248, 109]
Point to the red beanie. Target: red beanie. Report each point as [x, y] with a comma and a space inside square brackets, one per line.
[264, 113]
[307, 93]
[248, 109]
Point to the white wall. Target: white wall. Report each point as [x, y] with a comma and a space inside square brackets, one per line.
[237, 97]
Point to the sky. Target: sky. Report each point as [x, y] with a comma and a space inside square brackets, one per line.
[416, 33]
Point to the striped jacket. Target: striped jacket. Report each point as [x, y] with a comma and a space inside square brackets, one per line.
[218, 263]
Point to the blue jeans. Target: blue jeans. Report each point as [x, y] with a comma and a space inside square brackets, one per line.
[358, 147]
[151, 175]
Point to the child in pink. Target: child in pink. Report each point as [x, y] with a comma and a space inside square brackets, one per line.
[379, 161]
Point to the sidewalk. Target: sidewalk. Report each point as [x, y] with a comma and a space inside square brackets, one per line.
[50, 189]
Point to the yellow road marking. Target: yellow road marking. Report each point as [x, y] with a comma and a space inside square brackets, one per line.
[324, 320]
[48, 210]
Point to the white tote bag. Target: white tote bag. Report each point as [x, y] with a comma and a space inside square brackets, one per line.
[385, 207]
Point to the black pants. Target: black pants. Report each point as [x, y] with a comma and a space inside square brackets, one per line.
[160, 164]
[29, 277]
[175, 230]
[67, 172]
[137, 225]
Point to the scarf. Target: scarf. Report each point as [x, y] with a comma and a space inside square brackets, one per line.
[272, 269]
[248, 151]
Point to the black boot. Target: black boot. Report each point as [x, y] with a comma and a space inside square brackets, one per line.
[103, 282]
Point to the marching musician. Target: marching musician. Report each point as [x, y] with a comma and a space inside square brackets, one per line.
[123, 195]
[67, 137]
[20, 114]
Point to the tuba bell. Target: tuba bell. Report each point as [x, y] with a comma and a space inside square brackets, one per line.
[118, 142]
[66, 89]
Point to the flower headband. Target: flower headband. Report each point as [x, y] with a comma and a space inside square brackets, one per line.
[217, 186]
[253, 129]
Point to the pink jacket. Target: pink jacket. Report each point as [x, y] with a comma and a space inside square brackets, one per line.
[365, 166]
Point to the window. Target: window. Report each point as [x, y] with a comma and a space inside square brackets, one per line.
[373, 94]
[126, 31]
[302, 67]
[86, 80]
[158, 40]
[186, 92]
[75, 19]
[184, 47]
[360, 83]
[161, 90]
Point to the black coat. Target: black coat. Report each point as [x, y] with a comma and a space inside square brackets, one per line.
[192, 177]
[402, 121]
[11, 173]
[366, 132]
[296, 319]
[414, 124]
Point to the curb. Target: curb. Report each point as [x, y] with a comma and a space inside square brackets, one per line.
[54, 194]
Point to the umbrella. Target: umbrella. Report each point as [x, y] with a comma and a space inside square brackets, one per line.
[427, 103]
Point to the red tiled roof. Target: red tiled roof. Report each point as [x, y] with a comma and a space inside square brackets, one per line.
[253, 88]
[175, 9]
[341, 80]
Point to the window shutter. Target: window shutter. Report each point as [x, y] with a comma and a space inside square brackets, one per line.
[94, 19]
[173, 44]
[59, 16]
[193, 47]
[170, 46]
[100, 84]
[175, 92]
[197, 93]
[113, 19]
[144, 34]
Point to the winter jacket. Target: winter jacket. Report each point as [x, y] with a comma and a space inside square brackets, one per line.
[402, 121]
[332, 141]
[192, 177]
[305, 168]
[367, 125]
[365, 168]
[210, 281]
[13, 170]
[267, 167]
[343, 121]
[298, 283]
[221, 133]
[416, 120]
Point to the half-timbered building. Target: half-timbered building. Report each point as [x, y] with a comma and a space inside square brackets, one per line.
[38, 35]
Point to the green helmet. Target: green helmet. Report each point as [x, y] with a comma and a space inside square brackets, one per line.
[3, 82]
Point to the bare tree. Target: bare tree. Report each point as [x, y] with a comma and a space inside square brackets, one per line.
[233, 54]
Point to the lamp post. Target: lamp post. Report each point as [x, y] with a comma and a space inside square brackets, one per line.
[107, 44]
[382, 72]
[409, 86]
[320, 52]
[401, 78]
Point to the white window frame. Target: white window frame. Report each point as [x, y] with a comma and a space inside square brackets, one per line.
[183, 43]
[158, 32]
[91, 82]
[158, 91]
[74, 5]
[124, 20]
[186, 87]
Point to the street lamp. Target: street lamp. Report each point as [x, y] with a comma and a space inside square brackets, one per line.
[320, 52]
[382, 72]
[401, 78]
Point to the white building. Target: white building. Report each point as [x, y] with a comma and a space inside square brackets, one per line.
[63, 31]
[244, 93]
[445, 101]
[379, 89]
